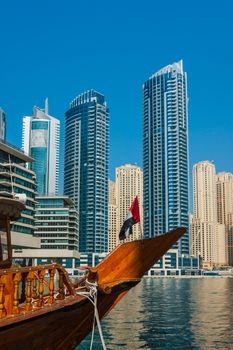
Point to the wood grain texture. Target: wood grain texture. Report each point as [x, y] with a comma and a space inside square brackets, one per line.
[132, 259]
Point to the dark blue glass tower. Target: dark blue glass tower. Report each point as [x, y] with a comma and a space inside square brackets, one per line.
[165, 153]
[86, 167]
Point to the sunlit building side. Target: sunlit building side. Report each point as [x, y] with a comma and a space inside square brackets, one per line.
[208, 237]
[225, 208]
[129, 184]
[112, 216]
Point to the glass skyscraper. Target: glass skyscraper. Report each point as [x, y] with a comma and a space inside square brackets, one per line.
[165, 153]
[86, 167]
[41, 136]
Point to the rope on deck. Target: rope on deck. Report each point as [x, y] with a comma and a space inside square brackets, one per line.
[91, 295]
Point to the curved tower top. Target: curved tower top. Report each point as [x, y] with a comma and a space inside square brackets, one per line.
[176, 67]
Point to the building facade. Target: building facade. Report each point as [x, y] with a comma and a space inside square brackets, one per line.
[129, 184]
[165, 153]
[174, 264]
[86, 167]
[2, 125]
[56, 229]
[41, 137]
[56, 222]
[17, 180]
[112, 216]
[208, 237]
[230, 239]
[225, 208]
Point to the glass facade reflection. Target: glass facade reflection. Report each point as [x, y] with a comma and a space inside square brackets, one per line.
[165, 153]
[86, 167]
[39, 152]
[41, 136]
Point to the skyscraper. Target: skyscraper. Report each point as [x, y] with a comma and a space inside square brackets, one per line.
[208, 237]
[129, 184]
[41, 136]
[86, 167]
[165, 153]
[112, 216]
[225, 208]
[2, 125]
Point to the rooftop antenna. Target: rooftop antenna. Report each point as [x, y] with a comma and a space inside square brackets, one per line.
[46, 106]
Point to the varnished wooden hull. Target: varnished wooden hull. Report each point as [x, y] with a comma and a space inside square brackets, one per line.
[59, 329]
[64, 324]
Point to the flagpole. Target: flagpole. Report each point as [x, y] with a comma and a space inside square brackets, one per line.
[141, 230]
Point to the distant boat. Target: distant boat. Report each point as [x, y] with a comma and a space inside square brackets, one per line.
[37, 314]
[221, 273]
[210, 273]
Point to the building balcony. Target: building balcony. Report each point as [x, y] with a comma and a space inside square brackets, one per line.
[5, 182]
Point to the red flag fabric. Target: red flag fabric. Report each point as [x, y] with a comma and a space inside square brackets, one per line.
[135, 209]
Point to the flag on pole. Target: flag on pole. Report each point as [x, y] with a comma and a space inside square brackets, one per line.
[132, 218]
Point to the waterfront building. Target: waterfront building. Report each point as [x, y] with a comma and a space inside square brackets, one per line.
[165, 153]
[17, 180]
[69, 259]
[2, 125]
[90, 259]
[208, 237]
[86, 167]
[225, 208]
[173, 264]
[41, 133]
[112, 216]
[221, 245]
[56, 227]
[129, 184]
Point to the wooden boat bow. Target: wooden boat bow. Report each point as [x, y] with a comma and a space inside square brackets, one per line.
[131, 260]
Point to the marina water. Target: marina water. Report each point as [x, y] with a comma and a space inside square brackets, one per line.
[171, 313]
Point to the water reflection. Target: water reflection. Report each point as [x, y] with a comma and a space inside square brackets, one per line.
[212, 321]
[179, 314]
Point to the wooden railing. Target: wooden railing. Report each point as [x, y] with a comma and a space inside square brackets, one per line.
[27, 288]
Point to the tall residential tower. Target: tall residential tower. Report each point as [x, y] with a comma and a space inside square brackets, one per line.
[41, 136]
[208, 237]
[225, 209]
[165, 153]
[86, 167]
[112, 216]
[129, 184]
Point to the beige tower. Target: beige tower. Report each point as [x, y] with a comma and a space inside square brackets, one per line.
[208, 237]
[112, 216]
[230, 238]
[225, 208]
[129, 184]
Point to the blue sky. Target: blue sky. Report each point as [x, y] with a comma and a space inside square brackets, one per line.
[61, 48]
